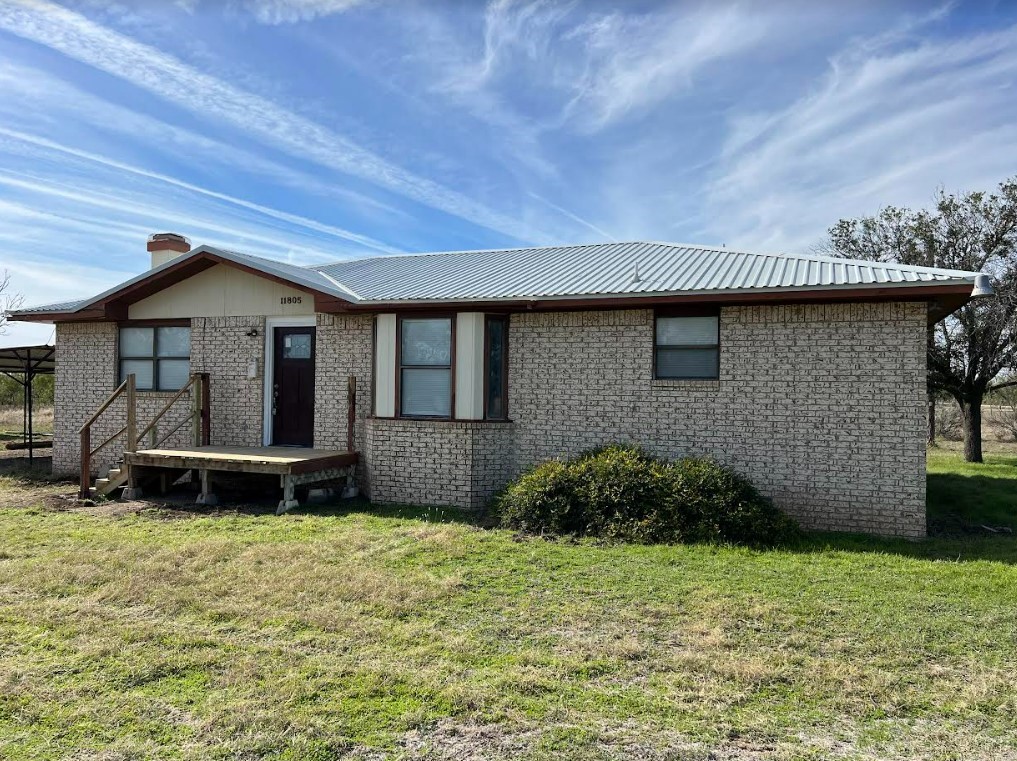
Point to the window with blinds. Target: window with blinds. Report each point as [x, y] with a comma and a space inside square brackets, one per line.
[687, 347]
[425, 367]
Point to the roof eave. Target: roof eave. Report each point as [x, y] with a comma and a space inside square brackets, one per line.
[903, 291]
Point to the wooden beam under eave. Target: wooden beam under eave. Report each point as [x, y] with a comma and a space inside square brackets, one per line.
[116, 310]
[330, 304]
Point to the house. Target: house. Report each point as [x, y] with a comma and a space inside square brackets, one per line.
[804, 373]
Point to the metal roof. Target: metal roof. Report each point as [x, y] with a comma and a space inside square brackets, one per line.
[563, 272]
[41, 359]
[606, 269]
[60, 306]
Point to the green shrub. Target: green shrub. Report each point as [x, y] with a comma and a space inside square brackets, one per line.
[620, 492]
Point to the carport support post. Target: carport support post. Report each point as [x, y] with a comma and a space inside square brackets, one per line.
[28, 396]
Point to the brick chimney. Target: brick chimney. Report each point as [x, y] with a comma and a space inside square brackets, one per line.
[166, 246]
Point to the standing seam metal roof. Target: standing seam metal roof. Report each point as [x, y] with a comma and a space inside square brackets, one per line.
[596, 269]
[607, 269]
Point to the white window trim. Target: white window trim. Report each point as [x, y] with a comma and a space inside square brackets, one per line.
[271, 323]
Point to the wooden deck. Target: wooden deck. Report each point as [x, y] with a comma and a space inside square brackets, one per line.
[283, 461]
[298, 468]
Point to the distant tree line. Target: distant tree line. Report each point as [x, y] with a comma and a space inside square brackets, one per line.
[11, 392]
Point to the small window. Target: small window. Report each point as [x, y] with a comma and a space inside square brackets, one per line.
[425, 367]
[496, 368]
[687, 347]
[159, 357]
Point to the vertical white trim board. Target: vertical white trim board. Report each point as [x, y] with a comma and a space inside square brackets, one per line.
[271, 323]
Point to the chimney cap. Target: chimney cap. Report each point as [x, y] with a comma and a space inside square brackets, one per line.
[168, 242]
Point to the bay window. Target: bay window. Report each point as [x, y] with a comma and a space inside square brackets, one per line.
[496, 367]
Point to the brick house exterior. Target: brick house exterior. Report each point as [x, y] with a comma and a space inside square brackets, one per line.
[821, 405]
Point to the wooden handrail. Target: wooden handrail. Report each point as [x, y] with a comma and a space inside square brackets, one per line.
[173, 399]
[121, 432]
[201, 414]
[112, 398]
[129, 387]
[187, 419]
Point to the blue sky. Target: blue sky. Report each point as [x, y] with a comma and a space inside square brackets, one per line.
[314, 130]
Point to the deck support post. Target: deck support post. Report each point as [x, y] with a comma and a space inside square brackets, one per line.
[206, 497]
[289, 500]
[350, 490]
[132, 491]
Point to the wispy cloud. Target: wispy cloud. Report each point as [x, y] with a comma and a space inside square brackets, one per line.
[143, 66]
[598, 68]
[892, 119]
[635, 61]
[293, 11]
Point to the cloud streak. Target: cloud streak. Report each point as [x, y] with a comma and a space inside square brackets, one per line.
[892, 119]
[293, 219]
[166, 76]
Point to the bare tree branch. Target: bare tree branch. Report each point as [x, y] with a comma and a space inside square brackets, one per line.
[8, 301]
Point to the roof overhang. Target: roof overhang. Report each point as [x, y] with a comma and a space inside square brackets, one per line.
[943, 298]
[113, 304]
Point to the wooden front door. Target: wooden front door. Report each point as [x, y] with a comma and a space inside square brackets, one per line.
[293, 387]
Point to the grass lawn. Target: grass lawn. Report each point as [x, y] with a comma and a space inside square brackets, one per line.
[134, 632]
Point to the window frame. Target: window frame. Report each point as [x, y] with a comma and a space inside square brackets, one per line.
[505, 320]
[399, 367]
[703, 311]
[154, 358]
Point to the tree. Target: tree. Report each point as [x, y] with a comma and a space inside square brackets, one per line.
[969, 350]
[8, 301]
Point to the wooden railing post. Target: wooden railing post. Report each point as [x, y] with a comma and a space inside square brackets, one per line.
[196, 407]
[206, 412]
[351, 412]
[132, 414]
[86, 461]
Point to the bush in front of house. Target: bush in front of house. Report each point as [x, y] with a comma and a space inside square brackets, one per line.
[619, 492]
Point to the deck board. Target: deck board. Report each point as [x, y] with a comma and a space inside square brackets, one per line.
[281, 460]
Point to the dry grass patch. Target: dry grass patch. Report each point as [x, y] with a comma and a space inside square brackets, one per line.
[387, 634]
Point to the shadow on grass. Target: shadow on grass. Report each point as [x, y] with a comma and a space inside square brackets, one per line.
[959, 504]
[15, 465]
[180, 503]
[993, 548]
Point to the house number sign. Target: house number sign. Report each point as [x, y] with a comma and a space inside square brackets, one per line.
[291, 299]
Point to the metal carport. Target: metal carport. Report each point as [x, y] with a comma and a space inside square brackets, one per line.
[23, 363]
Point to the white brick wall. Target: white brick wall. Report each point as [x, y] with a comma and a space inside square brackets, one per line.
[87, 375]
[343, 348]
[822, 406]
[436, 462]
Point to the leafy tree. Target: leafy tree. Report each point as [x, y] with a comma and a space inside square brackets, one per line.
[972, 351]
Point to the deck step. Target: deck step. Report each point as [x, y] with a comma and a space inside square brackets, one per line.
[116, 478]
